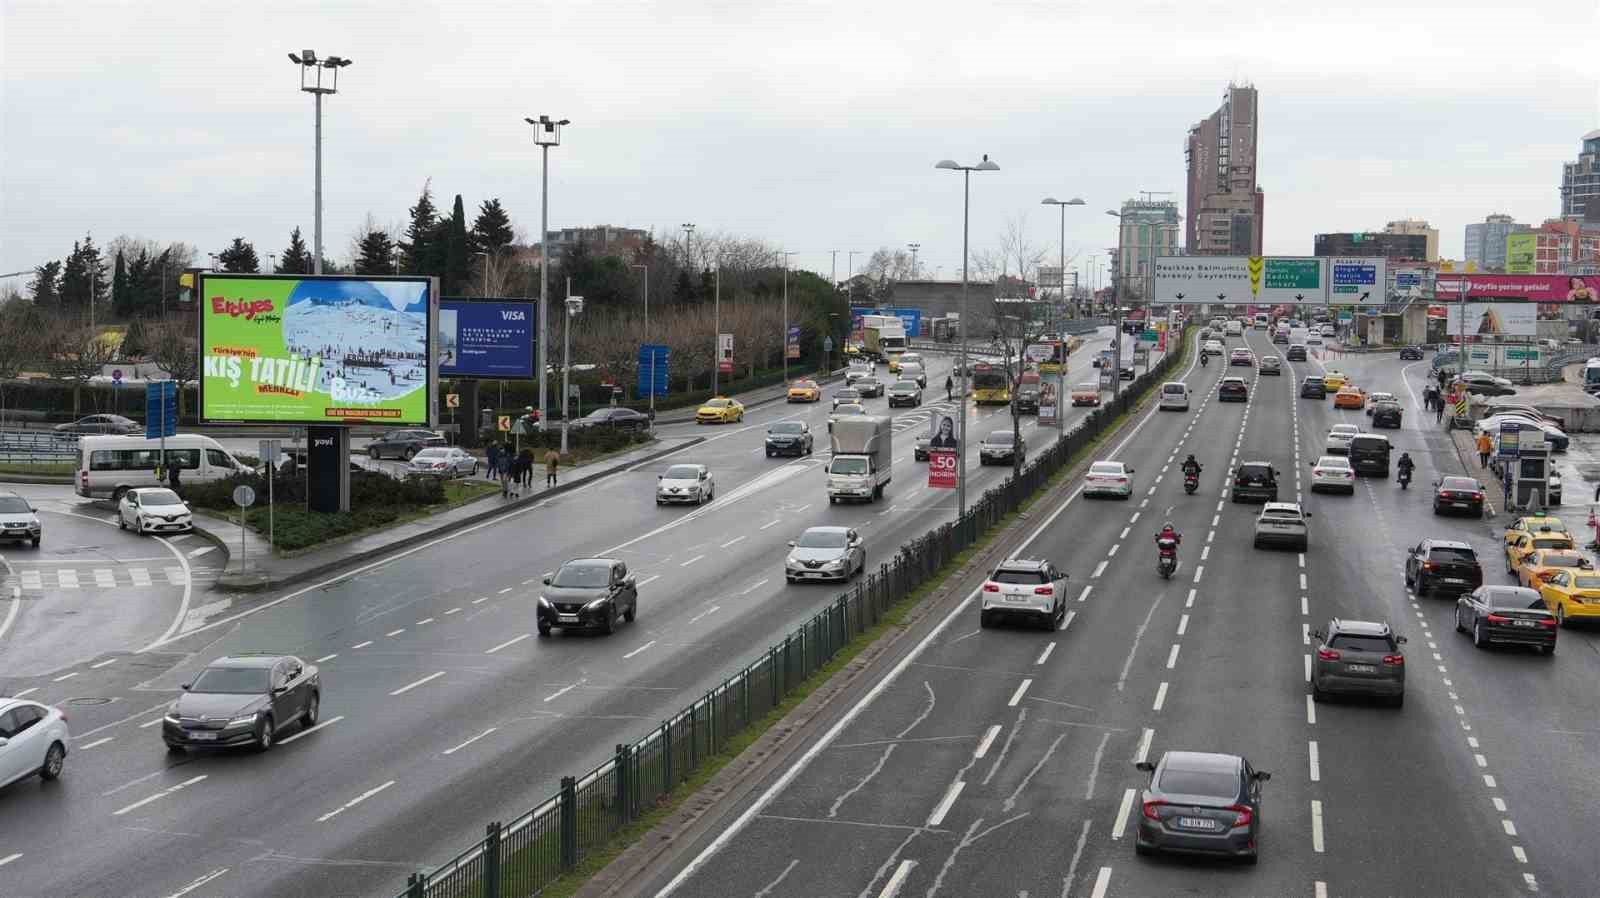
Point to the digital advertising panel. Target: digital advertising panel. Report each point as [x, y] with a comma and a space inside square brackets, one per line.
[1272, 280]
[286, 349]
[1505, 319]
[487, 338]
[1521, 252]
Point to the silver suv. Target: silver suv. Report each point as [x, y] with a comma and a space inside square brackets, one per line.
[19, 520]
[1357, 657]
[1026, 588]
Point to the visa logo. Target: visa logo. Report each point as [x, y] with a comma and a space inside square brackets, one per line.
[513, 316]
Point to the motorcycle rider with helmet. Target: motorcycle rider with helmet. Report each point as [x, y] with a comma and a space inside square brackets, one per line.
[1405, 466]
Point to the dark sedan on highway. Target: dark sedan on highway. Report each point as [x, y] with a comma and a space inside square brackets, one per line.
[613, 419]
[588, 593]
[789, 438]
[243, 700]
[1410, 353]
[1201, 803]
[403, 443]
[1458, 495]
[1443, 565]
[115, 424]
[1387, 414]
[1510, 615]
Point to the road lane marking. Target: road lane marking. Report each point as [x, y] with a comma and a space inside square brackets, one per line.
[451, 751]
[1311, 710]
[1161, 696]
[427, 679]
[1303, 582]
[1316, 826]
[9, 858]
[988, 740]
[1046, 653]
[150, 723]
[1320, 889]
[730, 542]
[326, 658]
[99, 664]
[1205, 553]
[508, 643]
[1521, 856]
[1507, 825]
[104, 579]
[562, 691]
[361, 645]
[1114, 548]
[712, 610]
[949, 800]
[1021, 689]
[1308, 667]
[393, 633]
[1098, 570]
[648, 580]
[1480, 760]
[455, 610]
[755, 586]
[1122, 815]
[770, 524]
[691, 561]
[309, 730]
[425, 621]
[1305, 608]
[1183, 624]
[480, 600]
[1488, 780]
[893, 886]
[639, 649]
[1172, 657]
[1102, 881]
[1302, 559]
[1140, 756]
[64, 677]
[159, 795]
[203, 550]
[506, 590]
[197, 882]
[353, 802]
[1316, 763]
[1198, 571]
[101, 741]
[1067, 621]
[1190, 602]
[1305, 633]
[1085, 594]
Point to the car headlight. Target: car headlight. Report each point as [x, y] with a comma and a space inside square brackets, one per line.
[545, 603]
[172, 715]
[243, 720]
[595, 605]
[837, 562]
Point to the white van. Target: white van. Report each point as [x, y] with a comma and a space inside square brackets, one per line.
[110, 465]
[1175, 395]
[1261, 322]
[1234, 329]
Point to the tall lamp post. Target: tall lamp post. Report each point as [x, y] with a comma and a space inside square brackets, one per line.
[914, 247]
[311, 74]
[1061, 259]
[574, 309]
[966, 204]
[546, 134]
[785, 335]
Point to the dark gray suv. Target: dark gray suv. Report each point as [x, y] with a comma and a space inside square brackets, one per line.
[1255, 480]
[1356, 657]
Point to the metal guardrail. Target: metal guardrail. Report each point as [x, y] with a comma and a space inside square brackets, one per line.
[517, 860]
[28, 447]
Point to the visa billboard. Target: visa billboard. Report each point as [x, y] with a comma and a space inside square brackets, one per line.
[487, 338]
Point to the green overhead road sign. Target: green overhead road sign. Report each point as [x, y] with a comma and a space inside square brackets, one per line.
[1293, 274]
[1148, 336]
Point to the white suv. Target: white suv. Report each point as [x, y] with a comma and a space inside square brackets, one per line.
[33, 739]
[1026, 588]
[1174, 395]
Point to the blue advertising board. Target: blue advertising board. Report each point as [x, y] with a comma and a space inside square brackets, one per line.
[486, 338]
[653, 370]
[160, 409]
[911, 318]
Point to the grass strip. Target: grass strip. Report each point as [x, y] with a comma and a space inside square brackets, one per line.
[43, 469]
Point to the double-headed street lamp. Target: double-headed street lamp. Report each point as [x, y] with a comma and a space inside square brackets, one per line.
[966, 205]
[1061, 386]
[546, 134]
[311, 75]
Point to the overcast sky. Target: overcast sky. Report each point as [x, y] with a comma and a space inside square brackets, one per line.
[814, 126]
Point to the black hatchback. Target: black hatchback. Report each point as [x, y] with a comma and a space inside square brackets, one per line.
[1410, 352]
[1442, 565]
[1255, 480]
[1387, 415]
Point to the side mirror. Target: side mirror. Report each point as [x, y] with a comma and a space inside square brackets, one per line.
[1130, 471]
[547, 579]
[1261, 776]
[1146, 766]
[661, 477]
[185, 686]
[791, 544]
[1306, 513]
[1400, 640]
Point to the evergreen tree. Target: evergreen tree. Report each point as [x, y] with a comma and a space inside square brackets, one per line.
[296, 259]
[46, 286]
[134, 341]
[458, 252]
[491, 231]
[120, 294]
[376, 255]
[83, 276]
[420, 238]
[239, 258]
[683, 288]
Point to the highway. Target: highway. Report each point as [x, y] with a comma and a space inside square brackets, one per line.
[441, 707]
[1000, 762]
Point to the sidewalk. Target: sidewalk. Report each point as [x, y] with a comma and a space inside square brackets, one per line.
[251, 567]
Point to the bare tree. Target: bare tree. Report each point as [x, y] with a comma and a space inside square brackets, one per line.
[1016, 327]
[80, 354]
[173, 348]
[21, 330]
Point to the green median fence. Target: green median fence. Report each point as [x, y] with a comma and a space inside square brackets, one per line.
[520, 858]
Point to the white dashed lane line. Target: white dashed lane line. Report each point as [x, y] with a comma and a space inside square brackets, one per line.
[410, 686]
[353, 802]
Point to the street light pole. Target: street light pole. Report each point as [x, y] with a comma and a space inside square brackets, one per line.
[1061, 260]
[574, 305]
[546, 134]
[785, 335]
[966, 203]
[914, 247]
[309, 63]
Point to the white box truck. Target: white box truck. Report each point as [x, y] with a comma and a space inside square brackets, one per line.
[863, 446]
[883, 336]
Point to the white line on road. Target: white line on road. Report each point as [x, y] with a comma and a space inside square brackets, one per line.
[1304, 606]
[455, 610]
[197, 882]
[99, 664]
[1302, 559]
[361, 645]
[425, 621]
[1046, 653]
[1183, 624]
[353, 802]
[1316, 763]
[1307, 666]
[1320, 889]
[1190, 602]
[1161, 696]
[1172, 657]
[1302, 581]
[755, 586]
[64, 677]
[1481, 760]
[1488, 781]
[451, 751]
[690, 561]
[393, 633]
[1507, 825]
[1311, 710]
[988, 740]
[326, 658]
[1085, 594]
[1122, 815]
[1114, 548]
[9, 858]
[1305, 633]
[427, 679]
[1017, 696]
[506, 590]
[480, 600]
[1124, 533]
[562, 691]
[162, 794]
[1143, 753]
[1102, 881]
[640, 649]
[1067, 621]
[150, 723]
[101, 741]
[949, 800]
[1316, 826]
[892, 887]
[203, 550]
[770, 524]
[508, 643]
[1201, 569]
[309, 730]
[648, 580]
[730, 542]
[1521, 856]
[1098, 570]
[1215, 520]
[1205, 553]
[712, 610]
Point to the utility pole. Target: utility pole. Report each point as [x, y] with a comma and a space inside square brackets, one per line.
[914, 247]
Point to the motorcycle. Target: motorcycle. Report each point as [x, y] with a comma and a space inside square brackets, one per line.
[1405, 478]
[1167, 557]
[1205, 358]
[1191, 482]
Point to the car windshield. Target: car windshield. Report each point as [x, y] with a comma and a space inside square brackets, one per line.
[1087, 388]
[1588, 582]
[682, 472]
[1460, 484]
[999, 437]
[1359, 643]
[847, 394]
[1004, 575]
[1174, 388]
[1106, 467]
[159, 497]
[787, 427]
[848, 466]
[232, 680]
[1347, 430]
[584, 575]
[849, 408]
[823, 539]
[599, 414]
[1218, 783]
[14, 505]
[717, 403]
[806, 384]
[1313, 379]
[438, 453]
[1552, 542]
[905, 385]
[1562, 561]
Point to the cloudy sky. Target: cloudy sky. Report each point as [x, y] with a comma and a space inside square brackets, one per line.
[814, 126]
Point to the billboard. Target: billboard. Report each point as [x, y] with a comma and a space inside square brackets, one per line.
[1269, 280]
[490, 338]
[1506, 319]
[1521, 250]
[1535, 287]
[1351, 279]
[289, 349]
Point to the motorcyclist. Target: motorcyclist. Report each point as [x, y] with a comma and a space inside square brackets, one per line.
[1191, 466]
[1169, 532]
[1205, 358]
[1405, 464]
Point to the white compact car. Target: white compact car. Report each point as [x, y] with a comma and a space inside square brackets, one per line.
[154, 509]
[1108, 478]
[1333, 472]
[692, 484]
[33, 739]
[825, 553]
[1282, 523]
[1174, 395]
[1339, 437]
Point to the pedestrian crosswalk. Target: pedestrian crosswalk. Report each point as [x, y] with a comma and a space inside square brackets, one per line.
[35, 579]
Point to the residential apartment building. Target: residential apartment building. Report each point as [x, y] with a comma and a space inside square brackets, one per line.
[601, 240]
[1486, 241]
[1580, 182]
[1566, 247]
[1225, 206]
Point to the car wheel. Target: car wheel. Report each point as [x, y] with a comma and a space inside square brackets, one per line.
[138, 526]
[1142, 849]
[308, 719]
[174, 749]
[35, 544]
[1547, 650]
[1250, 859]
[1256, 543]
[544, 629]
[266, 732]
[1398, 701]
[1477, 634]
[372, 452]
[54, 759]
[1459, 628]
[1317, 695]
[983, 619]
[769, 453]
[1561, 615]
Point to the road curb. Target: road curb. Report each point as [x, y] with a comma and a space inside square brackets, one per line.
[268, 581]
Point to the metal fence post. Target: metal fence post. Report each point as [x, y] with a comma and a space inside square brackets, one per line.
[772, 673]
[416, 886]
[491, 860]
[666, 755]
[568, 805]
[694, 740]
[624, 784]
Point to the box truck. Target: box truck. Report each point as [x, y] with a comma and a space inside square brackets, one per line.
[862, 449]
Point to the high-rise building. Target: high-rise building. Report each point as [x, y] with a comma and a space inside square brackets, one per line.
[1149, 229]
[1580, 182]
[1225, 205]
[1415, 226]
[1486, 241]
[1409, 247]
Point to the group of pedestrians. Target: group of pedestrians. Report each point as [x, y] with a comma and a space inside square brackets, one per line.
[514, 469]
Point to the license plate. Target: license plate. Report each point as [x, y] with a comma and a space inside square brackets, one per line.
[1197, 823]
[1454, 580]
[567, 618]
[1016, 598]
[1462, 504]
[202, 737]
[1524, 623]
[1361, 668]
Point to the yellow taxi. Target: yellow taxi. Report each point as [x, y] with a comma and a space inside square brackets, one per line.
[1542, 562]
[1570, 593]
[1537, 523]
[720, 410]
[1349, 397]
[1334, 379]
[1522, 547]
[852, 349]
[894, 363]
[805, 391]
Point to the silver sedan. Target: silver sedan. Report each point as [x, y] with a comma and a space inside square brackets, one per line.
[449, 461]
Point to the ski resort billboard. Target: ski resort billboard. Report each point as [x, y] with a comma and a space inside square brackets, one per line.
[283, 349]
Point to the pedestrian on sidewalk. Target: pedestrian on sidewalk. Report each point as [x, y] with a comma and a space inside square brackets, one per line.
[949, 388]
[552, 460]
[1438, 412]
[1485, 446]
[525, 469]
[493, 456]
[506, 464]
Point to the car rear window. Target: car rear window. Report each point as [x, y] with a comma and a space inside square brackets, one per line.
[1174, 388]
[1255, 472]
[1200, 782]
[1105, 467]
[1282, 514]
[1359, 643]
[1586, 582]
[1461, 484]
[1007, 575]
[1369, 444]
[1552, 542]
[1452, 555]
[1562, 561]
